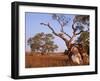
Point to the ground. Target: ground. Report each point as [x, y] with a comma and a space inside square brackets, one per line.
[35, 60]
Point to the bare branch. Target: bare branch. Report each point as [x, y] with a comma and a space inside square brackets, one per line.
[79, 33]
[74, 29]
[59, 35]
[62, 30]
[48, 25]
[61, 25]
[66, 34]
[74, 33]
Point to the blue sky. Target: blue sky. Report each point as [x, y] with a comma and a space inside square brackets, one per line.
[32, 23]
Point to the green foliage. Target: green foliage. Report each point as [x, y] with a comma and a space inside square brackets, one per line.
[82, 18]
[81, 22]
[84, 40]
[42, 42]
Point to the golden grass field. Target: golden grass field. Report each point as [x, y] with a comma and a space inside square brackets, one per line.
[46, 60]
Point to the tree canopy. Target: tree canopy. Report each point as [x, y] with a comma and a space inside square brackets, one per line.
[42, 42]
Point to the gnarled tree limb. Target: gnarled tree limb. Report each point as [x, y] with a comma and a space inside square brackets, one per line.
[66, 34]
[59, 35]
[48, 25]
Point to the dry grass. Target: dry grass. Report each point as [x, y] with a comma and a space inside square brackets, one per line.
[33, 60]
[47, 60]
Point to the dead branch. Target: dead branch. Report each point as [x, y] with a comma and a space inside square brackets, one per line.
[59, 35]
[66, 34]
[48, 25]
[79, 33]
[62, 30]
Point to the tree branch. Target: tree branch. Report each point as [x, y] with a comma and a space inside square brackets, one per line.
[79, 33]
[49, 28]
[62, 30]
[82, 31]
[74, 31]
[73, 27]
[66, 34]
[59, 35]
[61, 25]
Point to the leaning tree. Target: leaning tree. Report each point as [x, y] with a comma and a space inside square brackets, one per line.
[80, 24]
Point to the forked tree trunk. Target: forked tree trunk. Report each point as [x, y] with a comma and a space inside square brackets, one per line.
[68, 43]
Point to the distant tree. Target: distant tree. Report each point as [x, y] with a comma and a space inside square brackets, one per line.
[42, 43]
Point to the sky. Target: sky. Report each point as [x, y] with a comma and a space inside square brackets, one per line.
[32, 27]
